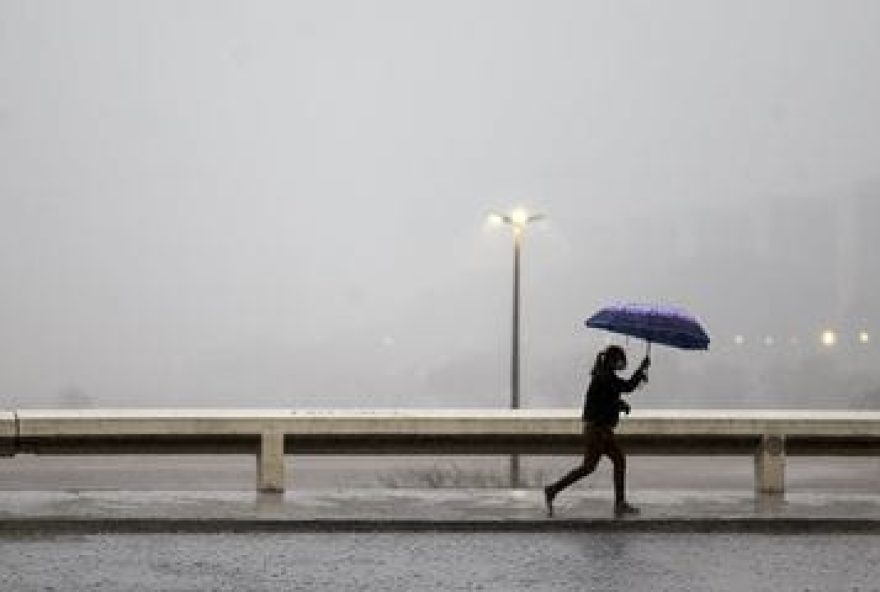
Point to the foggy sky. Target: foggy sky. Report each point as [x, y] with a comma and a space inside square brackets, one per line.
[283, 203]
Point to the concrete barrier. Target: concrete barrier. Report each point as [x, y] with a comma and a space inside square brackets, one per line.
[269, 434]
[8, 433]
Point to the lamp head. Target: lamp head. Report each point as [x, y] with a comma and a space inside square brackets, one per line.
[519, 217]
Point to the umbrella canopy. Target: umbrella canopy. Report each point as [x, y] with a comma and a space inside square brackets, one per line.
[655, 324]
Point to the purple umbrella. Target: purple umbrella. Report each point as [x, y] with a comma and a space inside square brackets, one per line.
[666, 325]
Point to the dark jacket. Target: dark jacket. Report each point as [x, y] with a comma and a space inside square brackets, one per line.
[602, 405]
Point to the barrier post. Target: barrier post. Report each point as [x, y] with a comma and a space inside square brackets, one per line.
[770, 465]
[270, 463]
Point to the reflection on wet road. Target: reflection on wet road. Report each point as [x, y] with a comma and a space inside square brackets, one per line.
[404, 562]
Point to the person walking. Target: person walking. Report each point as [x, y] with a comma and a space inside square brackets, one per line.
[602, 408]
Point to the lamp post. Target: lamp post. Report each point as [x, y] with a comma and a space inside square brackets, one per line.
[518, 219]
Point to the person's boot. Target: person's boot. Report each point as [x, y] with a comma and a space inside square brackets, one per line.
[549, 494]
[624, 509]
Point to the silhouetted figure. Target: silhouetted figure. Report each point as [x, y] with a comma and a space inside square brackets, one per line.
[602, 409]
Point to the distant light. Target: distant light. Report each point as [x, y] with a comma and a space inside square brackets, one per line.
[829, 338]
[739, 339]
[519, 216]
[768, 341]
[495, 219]
[864, 337]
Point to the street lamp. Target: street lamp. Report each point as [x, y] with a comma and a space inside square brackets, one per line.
[518, 219]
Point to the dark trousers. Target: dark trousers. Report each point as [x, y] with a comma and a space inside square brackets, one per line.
[599, 440]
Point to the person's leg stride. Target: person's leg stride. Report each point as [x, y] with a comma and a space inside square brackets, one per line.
[592, 454]
[618, 459]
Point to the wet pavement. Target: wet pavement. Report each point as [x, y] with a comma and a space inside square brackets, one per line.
[404, 562]
[431, 510]
[208, 494]
[116, 525]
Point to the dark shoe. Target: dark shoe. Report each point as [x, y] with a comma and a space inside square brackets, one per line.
[548, 500]
[624, 509]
